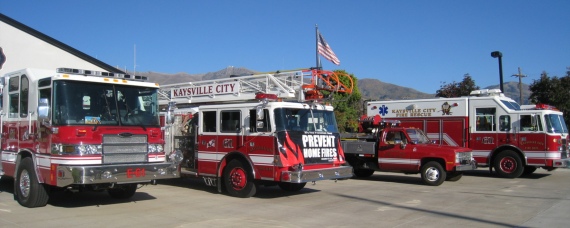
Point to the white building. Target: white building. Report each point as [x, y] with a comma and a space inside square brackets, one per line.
[24, 47]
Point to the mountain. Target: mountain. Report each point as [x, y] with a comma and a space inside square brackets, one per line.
[165, 79]
[512, 91]
[378, 90]
[370, 88]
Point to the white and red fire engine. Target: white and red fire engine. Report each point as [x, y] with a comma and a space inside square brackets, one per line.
[79, 130]
[265, 129]
[513, 140]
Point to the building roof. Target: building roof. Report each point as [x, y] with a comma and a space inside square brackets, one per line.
[58, 44]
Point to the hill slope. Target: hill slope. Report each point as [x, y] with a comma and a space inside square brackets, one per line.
[370, 88]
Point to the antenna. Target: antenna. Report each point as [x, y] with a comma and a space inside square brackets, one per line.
[135, 60]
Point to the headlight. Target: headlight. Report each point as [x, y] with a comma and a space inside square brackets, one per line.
[463, 156]
[76, 149]
[155, 148]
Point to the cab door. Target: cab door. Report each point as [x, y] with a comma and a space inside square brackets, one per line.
[394, 153]
[208, 142]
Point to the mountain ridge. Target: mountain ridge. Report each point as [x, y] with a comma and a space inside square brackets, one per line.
[370, 88]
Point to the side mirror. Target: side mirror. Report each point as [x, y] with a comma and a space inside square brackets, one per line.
[169, 118]
[43, 110]
[533, 122]
[259, 124]
[403, 144]
[259, 113]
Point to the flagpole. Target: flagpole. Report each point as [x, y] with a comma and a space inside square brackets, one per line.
[317, 46]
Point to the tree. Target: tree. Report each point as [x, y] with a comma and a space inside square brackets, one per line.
[457, 89]
[347, 107]
[552, 91]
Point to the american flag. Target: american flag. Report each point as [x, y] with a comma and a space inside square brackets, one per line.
[326, 51]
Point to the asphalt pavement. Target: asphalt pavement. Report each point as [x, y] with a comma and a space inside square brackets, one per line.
[383, 200]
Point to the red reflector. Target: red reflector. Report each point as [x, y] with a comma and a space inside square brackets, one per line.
[60, 173]
[81, 132]
[285, 176]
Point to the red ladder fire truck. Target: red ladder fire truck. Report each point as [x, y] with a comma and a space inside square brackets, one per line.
[513, 140]
[79, 130]
[267, 129]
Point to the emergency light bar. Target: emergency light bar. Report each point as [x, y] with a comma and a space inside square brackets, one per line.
[488, 92]
[268, 96]
[100, 74]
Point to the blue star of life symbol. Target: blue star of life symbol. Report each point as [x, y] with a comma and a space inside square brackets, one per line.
[383, 110]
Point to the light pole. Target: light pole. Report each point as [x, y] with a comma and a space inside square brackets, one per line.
[498, 54]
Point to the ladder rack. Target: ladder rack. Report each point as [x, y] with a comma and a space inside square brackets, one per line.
[289, 85]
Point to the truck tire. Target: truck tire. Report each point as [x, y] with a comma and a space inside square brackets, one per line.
[291, 187]
[122, 191]
[238, 180]
[454, 176]
[508, 164]
[433, 174]
[528, 170]
[363, 172]
[27, 190]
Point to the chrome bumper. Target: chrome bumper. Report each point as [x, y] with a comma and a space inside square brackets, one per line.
[561, 163]
[122, 173]
[319, 174]
[471, 166]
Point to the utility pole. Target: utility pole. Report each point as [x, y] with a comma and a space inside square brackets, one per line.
[520, 75]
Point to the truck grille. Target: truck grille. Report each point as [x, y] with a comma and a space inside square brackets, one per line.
[125, 148]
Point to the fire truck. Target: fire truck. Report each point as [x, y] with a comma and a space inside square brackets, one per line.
[513, 140]
[245, 131]
[386, 146]
[74, 129]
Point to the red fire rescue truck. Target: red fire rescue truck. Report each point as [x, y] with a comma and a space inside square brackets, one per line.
[267, 129]
[513, 140]
[385, 146]
[79, 130]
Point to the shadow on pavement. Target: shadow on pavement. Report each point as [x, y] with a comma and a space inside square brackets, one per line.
[484, 172]
[59, 197]
[414, 179]
[263, 191]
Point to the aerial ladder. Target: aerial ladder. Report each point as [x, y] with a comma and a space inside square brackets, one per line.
[298, 85]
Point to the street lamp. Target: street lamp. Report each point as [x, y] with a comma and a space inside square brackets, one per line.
[498, 54]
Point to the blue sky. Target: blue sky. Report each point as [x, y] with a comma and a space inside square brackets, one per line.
[412, 43]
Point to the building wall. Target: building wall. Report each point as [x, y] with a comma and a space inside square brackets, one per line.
[23, 50]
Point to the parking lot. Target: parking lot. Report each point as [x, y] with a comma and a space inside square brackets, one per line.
[384, 200]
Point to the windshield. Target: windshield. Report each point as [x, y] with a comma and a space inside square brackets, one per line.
[85, 103]
[288, 119]
[511, 105]
[555, 123]
[418, 136]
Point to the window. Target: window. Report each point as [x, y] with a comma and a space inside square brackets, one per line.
[14, 94]
[485, 119]
[209, 121]
[504, 123]
[230, 121]
[526, 123]
[253, 121]
[395, 137]
[24, 96]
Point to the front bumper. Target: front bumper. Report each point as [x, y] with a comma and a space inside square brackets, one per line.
[561, 163]
[121, 173]
[319, 174]
[472, 165]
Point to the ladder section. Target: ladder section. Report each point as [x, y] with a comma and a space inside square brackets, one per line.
[300, 85]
